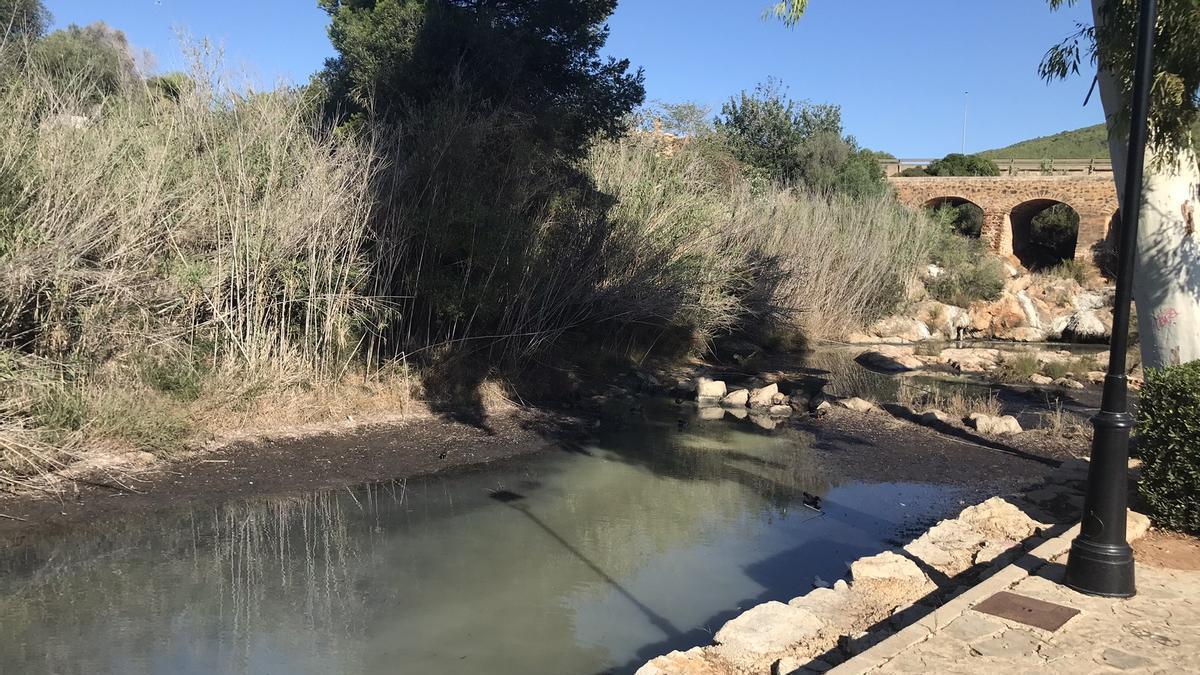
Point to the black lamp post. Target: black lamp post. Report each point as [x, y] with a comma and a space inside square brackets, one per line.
[1101, 561]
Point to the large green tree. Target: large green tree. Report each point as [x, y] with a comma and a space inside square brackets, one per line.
[540, 58]
[94, 61]
[1167, 260]
[23, 19]
[797, 143]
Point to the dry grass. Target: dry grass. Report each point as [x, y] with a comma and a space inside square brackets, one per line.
[165, 246]
[178, 263]
[955, 402]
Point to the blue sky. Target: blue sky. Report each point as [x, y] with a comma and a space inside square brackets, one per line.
[898, 68]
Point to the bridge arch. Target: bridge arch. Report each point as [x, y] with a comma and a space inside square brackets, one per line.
[969, 218]
[1045, 232]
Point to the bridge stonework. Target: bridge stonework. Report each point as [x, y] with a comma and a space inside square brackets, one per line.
[1009, 203]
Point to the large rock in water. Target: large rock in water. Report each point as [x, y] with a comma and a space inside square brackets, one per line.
[736, 399]
[709, 391]
[764, 633]
[970, 360]
[892, 576]
[764, 397]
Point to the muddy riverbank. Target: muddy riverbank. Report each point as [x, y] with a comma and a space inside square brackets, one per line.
[885, 446]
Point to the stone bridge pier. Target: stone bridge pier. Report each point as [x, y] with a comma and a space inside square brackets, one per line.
[1009, 205]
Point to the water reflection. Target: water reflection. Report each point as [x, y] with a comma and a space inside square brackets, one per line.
[572, 562]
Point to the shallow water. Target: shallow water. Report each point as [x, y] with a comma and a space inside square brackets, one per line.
[585, 560]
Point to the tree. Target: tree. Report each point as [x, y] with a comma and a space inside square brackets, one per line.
[22, 19]
[539, 58]
[95, 60]
[956, 164]
[1166, 285]
[797, 144]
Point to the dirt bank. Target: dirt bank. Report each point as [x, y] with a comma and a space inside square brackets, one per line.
[280, 465]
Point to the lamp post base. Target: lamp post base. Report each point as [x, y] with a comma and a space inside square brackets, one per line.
[1100, 569]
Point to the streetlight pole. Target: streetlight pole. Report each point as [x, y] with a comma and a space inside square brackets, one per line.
[966, 99]
[1101, 561]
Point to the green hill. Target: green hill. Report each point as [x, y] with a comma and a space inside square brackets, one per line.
[1085, 143]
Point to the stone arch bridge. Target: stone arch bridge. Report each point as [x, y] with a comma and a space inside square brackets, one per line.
[1009, 204]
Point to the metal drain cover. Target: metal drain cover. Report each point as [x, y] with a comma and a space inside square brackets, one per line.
[1026, 610]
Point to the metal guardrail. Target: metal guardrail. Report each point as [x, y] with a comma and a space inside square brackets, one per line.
[1015, 167]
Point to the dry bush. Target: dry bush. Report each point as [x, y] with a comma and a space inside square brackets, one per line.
[951, 400]
[153, 240]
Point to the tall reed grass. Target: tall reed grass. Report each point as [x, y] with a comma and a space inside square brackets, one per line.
[157, 236]
[171, 252]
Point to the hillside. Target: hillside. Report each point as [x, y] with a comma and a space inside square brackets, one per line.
[1086, 143]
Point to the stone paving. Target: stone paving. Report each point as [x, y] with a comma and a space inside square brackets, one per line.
[1157, 631]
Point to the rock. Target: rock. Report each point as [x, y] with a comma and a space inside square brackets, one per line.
[764, 397]
[738, 398]
[857, 404]
[999, 520]
[691, 662]
[860, 338]
[1086, 326]
[822, 409]
[825, 603]
[1067, 383]
[1095, 377]
[933, 417]
[1136, 526]
[1038, 378]
[901, 327]
[765, 631]
[994, 550]
[933, 271]
[1000, 318]
[711, 390]
[971, 360]
[710, 413]
[780, 411]
[1013, 272]
[61, 121]
[990, 425]
[890, 358]
[1090, 300]
[1025, 334]
[890, 574]
[949, 547]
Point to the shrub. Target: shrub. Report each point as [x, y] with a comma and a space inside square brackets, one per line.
[956, 164]
[970, 272]
[1169, 444]
[1077, 270]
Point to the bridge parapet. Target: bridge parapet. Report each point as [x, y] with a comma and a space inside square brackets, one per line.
[1016, 167]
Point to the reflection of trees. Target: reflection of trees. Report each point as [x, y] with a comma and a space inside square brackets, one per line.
[414, 575]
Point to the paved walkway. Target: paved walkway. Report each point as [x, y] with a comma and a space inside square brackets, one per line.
[1157, 631]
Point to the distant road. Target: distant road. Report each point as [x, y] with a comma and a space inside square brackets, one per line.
[1016, 167]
